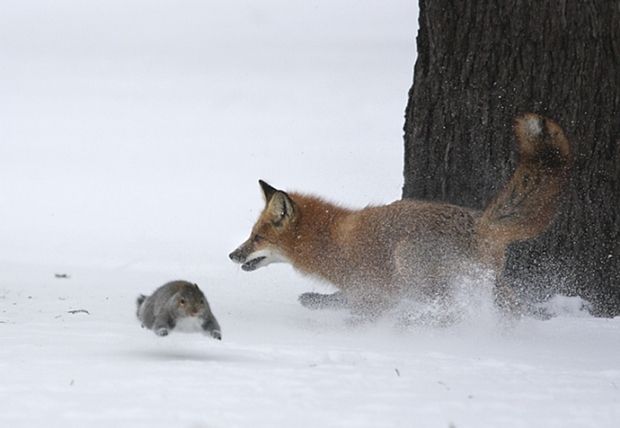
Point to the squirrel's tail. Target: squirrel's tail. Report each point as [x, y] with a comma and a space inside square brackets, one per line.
[527, 204]
[141, 298]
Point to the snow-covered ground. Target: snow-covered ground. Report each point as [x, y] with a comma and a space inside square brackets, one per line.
[132, 134]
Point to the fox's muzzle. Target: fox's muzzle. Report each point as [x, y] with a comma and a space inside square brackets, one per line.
[248, 258]
[238, 256]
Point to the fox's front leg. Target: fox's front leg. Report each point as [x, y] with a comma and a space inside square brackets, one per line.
[370, 301]
[335, 300]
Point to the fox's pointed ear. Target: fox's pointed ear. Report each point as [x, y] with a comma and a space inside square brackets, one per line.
[268, 191]
[281, 208]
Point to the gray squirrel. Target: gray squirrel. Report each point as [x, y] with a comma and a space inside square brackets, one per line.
[177, 305]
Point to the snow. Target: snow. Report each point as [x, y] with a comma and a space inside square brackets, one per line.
[132, 138]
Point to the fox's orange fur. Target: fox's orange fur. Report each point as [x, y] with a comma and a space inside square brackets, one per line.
[378, 254]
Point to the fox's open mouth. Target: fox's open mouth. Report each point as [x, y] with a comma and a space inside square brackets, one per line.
[252, 264]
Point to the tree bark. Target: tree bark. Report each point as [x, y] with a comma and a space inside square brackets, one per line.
[481, 63]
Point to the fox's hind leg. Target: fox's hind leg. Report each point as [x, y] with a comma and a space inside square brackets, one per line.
[507, 300]
[335, 300]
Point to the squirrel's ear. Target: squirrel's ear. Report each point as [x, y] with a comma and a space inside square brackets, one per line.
[268, 191]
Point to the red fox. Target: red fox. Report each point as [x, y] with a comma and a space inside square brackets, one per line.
[377, 255]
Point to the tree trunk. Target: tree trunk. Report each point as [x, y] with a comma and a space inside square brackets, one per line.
[482, 62]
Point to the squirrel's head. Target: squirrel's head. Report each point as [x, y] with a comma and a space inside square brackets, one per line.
[189, 301]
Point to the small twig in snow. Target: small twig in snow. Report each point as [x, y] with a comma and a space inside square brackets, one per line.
[444, 385]
[78, 311]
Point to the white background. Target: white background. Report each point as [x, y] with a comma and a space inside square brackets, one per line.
[141, 128]
[132, 136]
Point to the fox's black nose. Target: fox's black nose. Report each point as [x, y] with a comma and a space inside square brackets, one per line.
[236, 256]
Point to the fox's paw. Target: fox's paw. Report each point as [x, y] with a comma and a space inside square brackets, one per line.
[162, 331]
[323, 301]
[310, 300]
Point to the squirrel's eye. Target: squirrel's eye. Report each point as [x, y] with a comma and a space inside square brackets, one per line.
[257, 238]
[182, 301]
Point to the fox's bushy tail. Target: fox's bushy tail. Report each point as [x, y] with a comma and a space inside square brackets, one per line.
[527, 204]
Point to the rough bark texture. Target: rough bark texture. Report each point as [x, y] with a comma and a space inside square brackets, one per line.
[482, 62]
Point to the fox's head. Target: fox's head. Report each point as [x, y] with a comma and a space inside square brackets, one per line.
[275, 226]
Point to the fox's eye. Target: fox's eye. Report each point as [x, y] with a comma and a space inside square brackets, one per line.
[257, 238]
[182, 301]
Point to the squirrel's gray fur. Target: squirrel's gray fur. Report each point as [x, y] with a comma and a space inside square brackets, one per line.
[173, 302]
